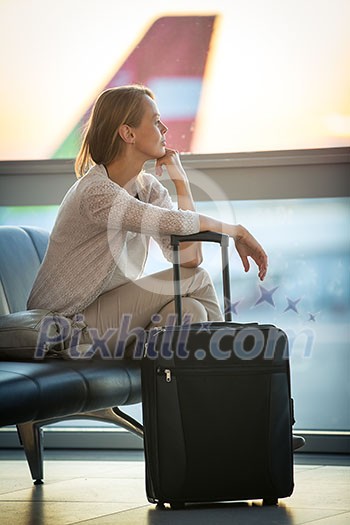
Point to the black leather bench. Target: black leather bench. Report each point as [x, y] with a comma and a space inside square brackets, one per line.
[33, 392]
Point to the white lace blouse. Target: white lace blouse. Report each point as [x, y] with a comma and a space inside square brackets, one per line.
[91, 242]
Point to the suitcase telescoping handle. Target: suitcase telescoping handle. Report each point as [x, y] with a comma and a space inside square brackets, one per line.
[207, 236]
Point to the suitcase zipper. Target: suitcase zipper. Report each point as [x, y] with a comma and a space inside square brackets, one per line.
[168, 373]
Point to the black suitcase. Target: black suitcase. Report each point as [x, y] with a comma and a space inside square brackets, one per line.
[217, 408]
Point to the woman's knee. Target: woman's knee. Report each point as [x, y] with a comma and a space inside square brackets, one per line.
[194, 310]
[196, 277]
[197, 271]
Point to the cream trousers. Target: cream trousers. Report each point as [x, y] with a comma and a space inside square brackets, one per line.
[149, 300]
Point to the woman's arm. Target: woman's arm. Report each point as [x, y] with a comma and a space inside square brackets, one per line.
[246, 244]
[190, 253]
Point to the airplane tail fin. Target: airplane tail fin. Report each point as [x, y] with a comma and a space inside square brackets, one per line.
[170, 59]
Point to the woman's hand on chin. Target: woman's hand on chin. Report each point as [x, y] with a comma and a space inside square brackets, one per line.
[171, 160]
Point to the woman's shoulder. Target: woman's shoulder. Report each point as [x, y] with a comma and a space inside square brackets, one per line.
[96, 175]
[96, 181]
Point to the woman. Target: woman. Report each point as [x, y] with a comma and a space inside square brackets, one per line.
[98, 246]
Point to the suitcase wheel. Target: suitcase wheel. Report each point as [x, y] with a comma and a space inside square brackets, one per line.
[173, 505]
[270, 501]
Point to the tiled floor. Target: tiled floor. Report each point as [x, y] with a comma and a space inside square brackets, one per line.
[105, 488]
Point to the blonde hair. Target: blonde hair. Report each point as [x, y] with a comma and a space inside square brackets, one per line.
[101, 140]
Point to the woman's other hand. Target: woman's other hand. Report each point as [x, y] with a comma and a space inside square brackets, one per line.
[248, 246]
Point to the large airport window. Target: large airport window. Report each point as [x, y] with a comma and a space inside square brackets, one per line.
[228, 76]
[306, 293]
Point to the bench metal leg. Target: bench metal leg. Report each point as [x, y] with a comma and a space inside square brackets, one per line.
[31, 435]
[31, 438]
[116, 416]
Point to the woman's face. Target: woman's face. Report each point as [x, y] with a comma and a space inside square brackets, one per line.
[150, 134]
